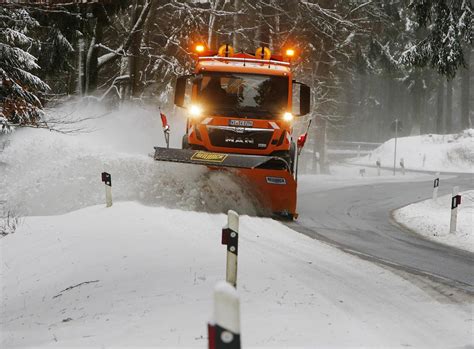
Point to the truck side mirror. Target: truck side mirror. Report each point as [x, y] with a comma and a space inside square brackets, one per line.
[305, 99]
[180, 91]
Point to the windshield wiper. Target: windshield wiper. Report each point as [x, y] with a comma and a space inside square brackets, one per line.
[227, 110]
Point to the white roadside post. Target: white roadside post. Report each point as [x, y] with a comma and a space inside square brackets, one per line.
[224, 331]
[107, 179]
[402, 165]
[379, 165]
[230, 237]
[435, 187]
[455, 202]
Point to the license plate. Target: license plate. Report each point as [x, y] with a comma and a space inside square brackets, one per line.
[241, 123]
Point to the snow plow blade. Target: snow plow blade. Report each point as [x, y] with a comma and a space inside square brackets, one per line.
[201, 157]
[268, 177]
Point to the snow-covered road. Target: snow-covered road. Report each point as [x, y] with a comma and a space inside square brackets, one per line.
[358, 218]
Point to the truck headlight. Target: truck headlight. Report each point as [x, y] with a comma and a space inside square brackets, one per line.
[287, 116]
[195, 110]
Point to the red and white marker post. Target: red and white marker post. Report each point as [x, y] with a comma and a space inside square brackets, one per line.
[455, 202]
[230, 237]
[166, 128]
[224, 331]
[107, 179]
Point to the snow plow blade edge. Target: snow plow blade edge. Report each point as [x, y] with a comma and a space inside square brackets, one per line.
[201, 157]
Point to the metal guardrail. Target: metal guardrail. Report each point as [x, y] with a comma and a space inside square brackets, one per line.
[353, 145]
[340, 150]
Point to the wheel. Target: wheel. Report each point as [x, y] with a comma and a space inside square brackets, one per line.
[290, 157]
[293, 155]
[184, 142]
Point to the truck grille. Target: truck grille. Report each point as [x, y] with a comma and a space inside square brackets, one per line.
[239, 137]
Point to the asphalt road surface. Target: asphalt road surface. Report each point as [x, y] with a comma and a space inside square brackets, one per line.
[358, 220]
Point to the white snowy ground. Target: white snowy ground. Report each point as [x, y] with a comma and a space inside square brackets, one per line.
[432, 218]
[147, 266]
[151, 273]
[448, 153]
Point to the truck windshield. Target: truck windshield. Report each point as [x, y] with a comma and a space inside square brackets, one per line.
[243, 94]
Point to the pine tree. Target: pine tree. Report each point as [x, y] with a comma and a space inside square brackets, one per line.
[449, 25]
[20, 88]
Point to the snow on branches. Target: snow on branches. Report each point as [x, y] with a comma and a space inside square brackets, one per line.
[449, 29]
[19, 86]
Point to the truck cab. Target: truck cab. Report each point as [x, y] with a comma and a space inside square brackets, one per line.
[241, 103]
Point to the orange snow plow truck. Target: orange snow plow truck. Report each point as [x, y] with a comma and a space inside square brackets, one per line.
[240, 118]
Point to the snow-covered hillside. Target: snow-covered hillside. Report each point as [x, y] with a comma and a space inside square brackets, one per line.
[446, 153]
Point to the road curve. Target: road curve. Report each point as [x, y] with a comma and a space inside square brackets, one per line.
[358, 220]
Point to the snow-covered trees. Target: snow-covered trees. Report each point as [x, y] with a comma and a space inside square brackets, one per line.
[443, 42]
[20, 88]
[368, 61]
[449, 30]
[403, 71]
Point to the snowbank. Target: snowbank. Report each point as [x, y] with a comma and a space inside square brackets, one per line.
[432, 218]
[446, 153]
[133, 275]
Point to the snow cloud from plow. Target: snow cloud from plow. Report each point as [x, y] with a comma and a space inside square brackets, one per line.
[47, 173]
